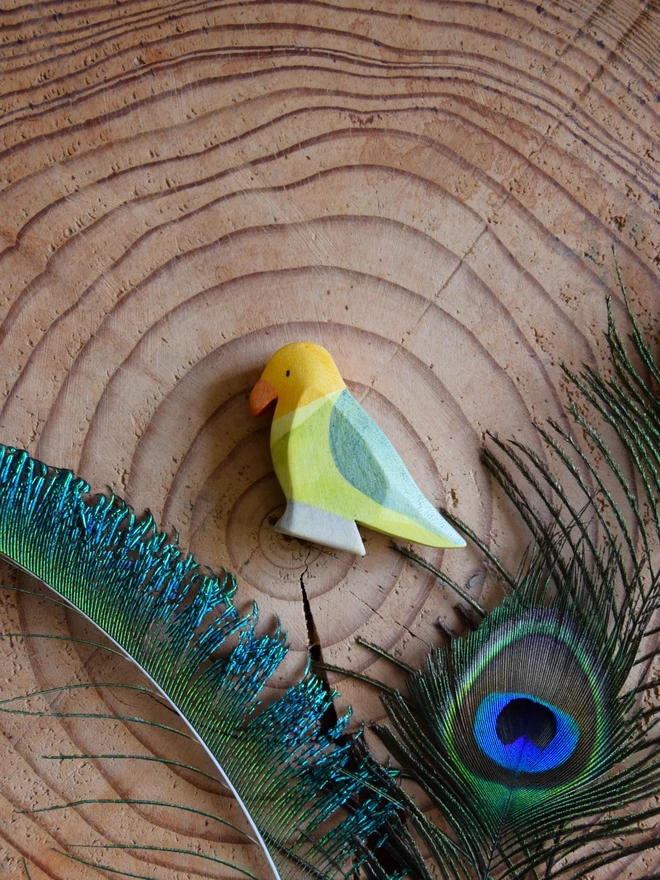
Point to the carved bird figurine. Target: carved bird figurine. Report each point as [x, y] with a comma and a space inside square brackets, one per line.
[334, 464]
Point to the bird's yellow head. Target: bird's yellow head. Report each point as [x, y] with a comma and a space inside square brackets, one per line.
[295, 375]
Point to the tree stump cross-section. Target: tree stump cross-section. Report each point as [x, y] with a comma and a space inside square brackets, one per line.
[430, 190]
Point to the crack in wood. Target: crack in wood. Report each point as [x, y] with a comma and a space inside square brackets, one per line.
[330, 718]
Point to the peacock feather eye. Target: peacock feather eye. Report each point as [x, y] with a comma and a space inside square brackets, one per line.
[524, 734]
[524, 707]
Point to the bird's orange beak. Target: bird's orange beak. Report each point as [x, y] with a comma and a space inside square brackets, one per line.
[261, 397]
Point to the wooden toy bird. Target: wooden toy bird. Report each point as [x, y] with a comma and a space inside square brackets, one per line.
[334, 464]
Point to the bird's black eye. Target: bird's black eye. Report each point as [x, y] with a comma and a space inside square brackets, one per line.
[288, 373]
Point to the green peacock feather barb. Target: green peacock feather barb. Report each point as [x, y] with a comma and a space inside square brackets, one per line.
[307, 797]
[532, 736]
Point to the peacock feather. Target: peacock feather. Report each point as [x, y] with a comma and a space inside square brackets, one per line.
[307, 796]
[532, 736]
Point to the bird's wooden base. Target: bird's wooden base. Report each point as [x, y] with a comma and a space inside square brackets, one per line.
[313, 524]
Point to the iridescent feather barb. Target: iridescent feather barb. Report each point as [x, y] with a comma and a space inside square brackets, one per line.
[532, 736]
[179, 624]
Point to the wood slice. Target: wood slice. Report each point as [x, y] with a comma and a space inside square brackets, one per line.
[431, 190]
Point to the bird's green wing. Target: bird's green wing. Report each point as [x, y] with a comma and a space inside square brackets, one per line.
[368, 461]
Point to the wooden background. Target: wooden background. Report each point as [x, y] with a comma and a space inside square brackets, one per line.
[429, 189]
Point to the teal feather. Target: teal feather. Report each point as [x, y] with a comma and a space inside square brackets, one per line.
[530, 736]
[307, 796]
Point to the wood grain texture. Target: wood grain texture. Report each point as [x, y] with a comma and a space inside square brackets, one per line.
[430, 190]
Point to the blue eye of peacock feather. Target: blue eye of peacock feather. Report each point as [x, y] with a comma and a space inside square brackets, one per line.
[523, 733]
[526, 718]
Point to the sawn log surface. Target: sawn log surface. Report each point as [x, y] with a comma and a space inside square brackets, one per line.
[430, 190]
